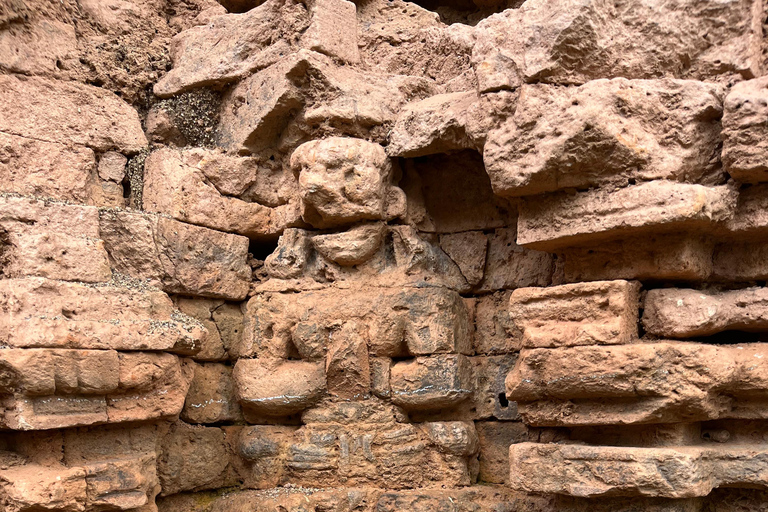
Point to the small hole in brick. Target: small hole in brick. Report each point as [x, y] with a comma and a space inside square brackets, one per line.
[503, 400]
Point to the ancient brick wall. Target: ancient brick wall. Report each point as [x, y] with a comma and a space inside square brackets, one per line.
[317, 255]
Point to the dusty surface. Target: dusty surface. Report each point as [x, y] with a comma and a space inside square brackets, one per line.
[383, 256]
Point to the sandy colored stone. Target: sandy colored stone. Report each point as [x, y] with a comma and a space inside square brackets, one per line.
[686, 313]
[36, 48]
[438, 124]
[495, 332]
[587, 217]
[175, 185]
[741, 260]
[54, 240]
[278, 388]
[41, 313]
[352, 247]
[435, 382]
[31, 486]
[606, 131]
[403, 38]
[597, 313]
[178, 257]
[192, 457]
[46, 169]
[231, 46]
[744, 118]
[211, 397]
[581, 40]
[495, 438]
[590, 471]
[674, 257]
[345, 180]
[508, 265]
[468, 250]
[112, 166]
[394, 322]
[277, 108]
[347, 367]
[68, 113]
[661, 382]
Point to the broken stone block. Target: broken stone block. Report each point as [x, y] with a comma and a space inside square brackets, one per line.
[380, 372]
[37, 312]
[685, 313]
[347, 368]
[277, 107]
[577, 41]
[58, 241]
[344, 180]
[597, 313]
[212, 348]
[46, 169]
[231, 46]
[587, 217]
[744, 131]
[112, 166]
[403, 38]
[679, 472]
[211, 397]
[468, 251]
[606, 132]
[192, 457]
[352, 247]
[494, 439]
[673, 257]
[442, 123]
[278, 388]
[178, 257]
[749, 220]
[434, 382]
[68, 113]
[175, 184]
[661, 382]
[32, 486]
[509, 265]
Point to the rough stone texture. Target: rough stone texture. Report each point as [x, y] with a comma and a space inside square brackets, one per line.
[39, 313]
[680, 472]
[68, 113]
[599, 313]
[277, 107]
[177, 257]
[343, 181]
[681, 313]
[46, 239]
[407, 248]
[581, 40]
[640, 383]
[606, 131]
[744, 131]
[176, 184]
[231, 46]
[587, 217]
[391, 322]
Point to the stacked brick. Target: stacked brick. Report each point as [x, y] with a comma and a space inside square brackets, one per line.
[334, 256]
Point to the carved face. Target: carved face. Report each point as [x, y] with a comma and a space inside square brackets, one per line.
[342, 181]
